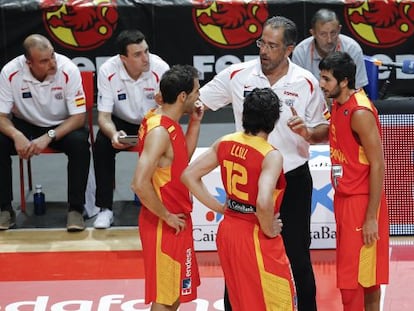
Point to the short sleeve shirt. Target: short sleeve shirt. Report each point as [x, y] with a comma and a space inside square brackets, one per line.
[124, 97]
[298, 89]
[306, 56]
[46, 103]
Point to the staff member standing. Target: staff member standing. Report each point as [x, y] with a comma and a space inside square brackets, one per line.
[296, 88]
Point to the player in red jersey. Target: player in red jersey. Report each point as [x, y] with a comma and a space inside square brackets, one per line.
[165, 225]
[358, 179]
[251, 250]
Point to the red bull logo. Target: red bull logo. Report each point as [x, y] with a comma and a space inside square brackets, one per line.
[80, 24]
[380, 23]
[230, 24]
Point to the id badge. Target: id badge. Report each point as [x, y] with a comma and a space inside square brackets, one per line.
[337, 172]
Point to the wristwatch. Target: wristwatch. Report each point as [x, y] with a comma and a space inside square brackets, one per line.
[51, 134]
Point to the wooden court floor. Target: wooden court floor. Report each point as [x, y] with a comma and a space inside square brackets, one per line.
[102, 270]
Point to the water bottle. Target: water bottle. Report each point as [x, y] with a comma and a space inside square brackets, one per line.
[39, 201]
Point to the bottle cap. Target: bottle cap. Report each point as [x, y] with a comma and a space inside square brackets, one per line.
[38, 186]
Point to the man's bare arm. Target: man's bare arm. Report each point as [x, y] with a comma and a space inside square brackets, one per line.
[192, 178]
[157, 151]
[265, 204]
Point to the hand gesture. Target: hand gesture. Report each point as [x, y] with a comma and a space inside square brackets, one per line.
[297, 124]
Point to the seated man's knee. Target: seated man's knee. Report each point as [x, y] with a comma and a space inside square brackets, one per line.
[6, 145]
[102, 143]
[78, 138]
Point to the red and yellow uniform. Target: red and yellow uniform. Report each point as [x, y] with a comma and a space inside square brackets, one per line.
[171, 269]
[356, 263]
[256, 268]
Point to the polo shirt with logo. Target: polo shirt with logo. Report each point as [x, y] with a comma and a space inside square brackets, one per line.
[306, 56]
[298, 89]
[46, 103]
[124, 97]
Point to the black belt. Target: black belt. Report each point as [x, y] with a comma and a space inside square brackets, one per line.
[240, 207]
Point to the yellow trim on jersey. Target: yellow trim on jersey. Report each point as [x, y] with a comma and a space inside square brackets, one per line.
[362, 158]
[153, 120]
[162, 176]
[363, 100]
[256, 142]
[276, 290]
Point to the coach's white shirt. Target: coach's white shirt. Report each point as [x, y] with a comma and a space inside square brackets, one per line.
[124, 97]
[46, 103]
[298, 89]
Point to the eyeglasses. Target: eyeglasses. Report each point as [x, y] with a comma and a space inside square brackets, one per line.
[325, 35]
[271, 46]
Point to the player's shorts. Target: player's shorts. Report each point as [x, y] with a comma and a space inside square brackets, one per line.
[357, 263]
[256, 269]
[171, 269]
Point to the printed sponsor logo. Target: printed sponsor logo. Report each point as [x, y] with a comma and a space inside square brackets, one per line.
[27, 95]
[380, 23]
[80, 25]
[323, 233]
[107, 302]
[230, 24]
[186, 288]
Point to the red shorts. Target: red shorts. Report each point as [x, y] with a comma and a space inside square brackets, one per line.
[357, 263]
[256, 269]
[171, 270]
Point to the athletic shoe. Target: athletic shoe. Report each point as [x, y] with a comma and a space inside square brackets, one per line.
[75, 222]
[7, 219]
[104, 219]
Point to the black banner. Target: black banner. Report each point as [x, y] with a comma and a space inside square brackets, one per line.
[205, 33]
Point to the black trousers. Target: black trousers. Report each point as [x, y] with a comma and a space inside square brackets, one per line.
[295, 213]
[75, 145]
[104, 163]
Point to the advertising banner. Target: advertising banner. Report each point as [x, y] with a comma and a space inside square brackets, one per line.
[205, 33]
[212, 34]
[323, 229]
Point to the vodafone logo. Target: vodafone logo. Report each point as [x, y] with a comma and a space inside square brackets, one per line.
[230, 24]
[80, 24]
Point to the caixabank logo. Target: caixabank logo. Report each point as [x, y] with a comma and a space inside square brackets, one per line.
[221, 197]
[80, 24]
[380, 23]
[229, 24]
